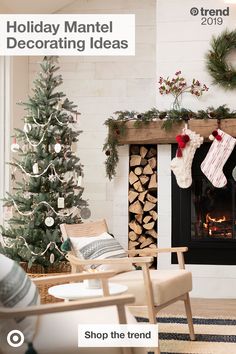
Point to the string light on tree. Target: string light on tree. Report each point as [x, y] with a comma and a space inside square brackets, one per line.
[59, 213]
[39, 254]
[40, 174]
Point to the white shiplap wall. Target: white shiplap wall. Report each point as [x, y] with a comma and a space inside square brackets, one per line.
[182, 43]
[102, 85]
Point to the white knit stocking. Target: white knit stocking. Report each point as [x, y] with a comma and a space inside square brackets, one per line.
[182, 166]
[218, 154]
[234, 173]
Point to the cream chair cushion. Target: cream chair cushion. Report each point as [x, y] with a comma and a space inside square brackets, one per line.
[58, 332]
[167, 284]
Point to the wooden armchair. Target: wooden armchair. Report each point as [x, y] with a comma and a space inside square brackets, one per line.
[154, 289]
[58, 334]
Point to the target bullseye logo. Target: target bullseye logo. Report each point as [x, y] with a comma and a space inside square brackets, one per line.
[15, 338]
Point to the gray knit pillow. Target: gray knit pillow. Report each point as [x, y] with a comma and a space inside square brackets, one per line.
[16, 290]
[103, 246]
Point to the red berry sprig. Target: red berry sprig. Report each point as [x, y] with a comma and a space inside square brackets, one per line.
[182, 140]
[117, 131]
[178, 85]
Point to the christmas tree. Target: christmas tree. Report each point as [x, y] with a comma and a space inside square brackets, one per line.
[49, 192]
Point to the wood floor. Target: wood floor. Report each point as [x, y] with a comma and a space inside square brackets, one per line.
[200, 307]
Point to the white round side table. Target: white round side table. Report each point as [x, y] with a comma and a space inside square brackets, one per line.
[76, 291]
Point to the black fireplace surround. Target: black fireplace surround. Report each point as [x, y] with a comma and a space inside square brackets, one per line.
[203, 217]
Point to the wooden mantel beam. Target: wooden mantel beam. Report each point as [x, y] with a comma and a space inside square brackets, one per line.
[152, 133]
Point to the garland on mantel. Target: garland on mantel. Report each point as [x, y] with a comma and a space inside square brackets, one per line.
[117, 126]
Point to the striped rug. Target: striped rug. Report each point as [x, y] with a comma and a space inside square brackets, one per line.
[213, 335]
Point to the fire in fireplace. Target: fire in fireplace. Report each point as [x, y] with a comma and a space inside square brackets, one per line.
[217, 227]
[212, 210]
[204, 217]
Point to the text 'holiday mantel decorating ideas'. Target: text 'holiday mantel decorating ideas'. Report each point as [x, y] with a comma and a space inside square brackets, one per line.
[87, 34]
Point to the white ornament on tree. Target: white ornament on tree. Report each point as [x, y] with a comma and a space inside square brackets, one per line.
[73, 147]
[52, 258]
[15, 147]
[35, 168]
[59, 105]
[49, 221]
[27, 195]
[61, 203]
[52, 178]
[27, 127]
[57, 148]
[80, 180]
[85, 213]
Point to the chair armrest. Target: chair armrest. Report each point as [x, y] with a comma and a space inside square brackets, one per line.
[118, 300]
[154, 252]
[73, 277]
[77, 261]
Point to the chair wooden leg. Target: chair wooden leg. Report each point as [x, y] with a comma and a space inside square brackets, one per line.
[189, 316]
[149, 294]
[150, 300]
[123, 320]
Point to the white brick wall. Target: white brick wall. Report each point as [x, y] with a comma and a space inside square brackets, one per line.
[102, 85]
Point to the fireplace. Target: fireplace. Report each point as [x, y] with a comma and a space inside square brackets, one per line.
[203, 217]
[213, 211]
[204, 254]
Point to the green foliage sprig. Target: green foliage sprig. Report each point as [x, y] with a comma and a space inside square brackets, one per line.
[223, 73]
[117, 126]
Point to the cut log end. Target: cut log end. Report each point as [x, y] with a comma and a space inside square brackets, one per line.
[143, 198]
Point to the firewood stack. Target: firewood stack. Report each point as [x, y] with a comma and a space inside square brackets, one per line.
[143, 197]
